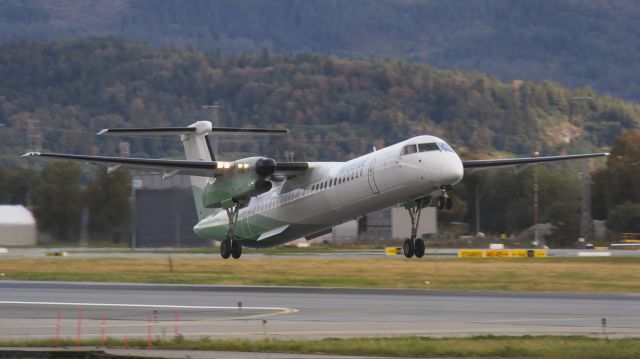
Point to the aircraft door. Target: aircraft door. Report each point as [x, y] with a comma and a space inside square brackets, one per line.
[372, 180]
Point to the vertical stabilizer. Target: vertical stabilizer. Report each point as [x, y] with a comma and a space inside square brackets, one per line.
[197, 148]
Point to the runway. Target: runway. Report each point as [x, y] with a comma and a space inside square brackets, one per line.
[30, 310]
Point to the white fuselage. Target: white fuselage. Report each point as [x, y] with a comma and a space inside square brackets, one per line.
[331, 193]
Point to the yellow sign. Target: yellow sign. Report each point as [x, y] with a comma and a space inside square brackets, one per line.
[502, 253]
[471, 253]
[391, 251]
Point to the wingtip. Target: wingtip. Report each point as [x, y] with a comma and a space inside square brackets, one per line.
[29, 154]
[103, 131]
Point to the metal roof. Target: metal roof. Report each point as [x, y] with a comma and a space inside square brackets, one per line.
[10, 214]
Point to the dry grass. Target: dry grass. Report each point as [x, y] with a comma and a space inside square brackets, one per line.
[550, 274]
[486, 346]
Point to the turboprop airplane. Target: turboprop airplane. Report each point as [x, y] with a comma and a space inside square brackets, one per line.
[258, 202]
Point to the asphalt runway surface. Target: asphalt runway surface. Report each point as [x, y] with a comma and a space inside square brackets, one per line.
[30, 310]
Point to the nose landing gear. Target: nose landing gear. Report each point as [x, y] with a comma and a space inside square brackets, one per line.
[444, 201]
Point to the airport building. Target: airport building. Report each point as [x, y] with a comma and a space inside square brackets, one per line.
[164, 213]
[387, 224]
[17, 226]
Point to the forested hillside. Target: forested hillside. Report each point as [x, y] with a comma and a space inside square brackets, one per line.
[576, 43]
[60, 94]
[336, 108]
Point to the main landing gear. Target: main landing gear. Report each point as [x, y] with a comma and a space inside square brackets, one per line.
[414, 246]
[231, 246]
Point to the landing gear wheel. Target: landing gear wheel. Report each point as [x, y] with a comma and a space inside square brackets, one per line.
[236, 249]
[448, 203]
[225, 249]
[419, 248]
[441, 202]
[407, 248]
[231, 247]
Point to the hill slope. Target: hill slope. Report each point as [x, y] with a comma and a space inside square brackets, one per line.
[573, 42]
[337, 108]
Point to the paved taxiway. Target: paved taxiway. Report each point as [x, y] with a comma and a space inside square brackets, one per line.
[29, 309]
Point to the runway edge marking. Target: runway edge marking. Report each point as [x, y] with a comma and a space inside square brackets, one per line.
[285, 310]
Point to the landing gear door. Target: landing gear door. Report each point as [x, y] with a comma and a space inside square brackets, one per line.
[372, 180]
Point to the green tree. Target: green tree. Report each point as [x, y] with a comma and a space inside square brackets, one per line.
[618, 182]
[625, 217]
[57, 201]
[107, 198]
[565, 218]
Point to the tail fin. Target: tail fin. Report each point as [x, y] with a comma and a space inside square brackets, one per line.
[197, 147]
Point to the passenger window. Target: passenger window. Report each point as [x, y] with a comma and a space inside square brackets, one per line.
[408, 149]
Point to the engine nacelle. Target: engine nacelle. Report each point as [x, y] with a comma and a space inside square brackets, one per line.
[242, 179]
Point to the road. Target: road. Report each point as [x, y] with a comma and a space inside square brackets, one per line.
[30, 309]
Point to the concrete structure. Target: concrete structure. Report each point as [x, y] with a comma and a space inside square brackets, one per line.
[387, 224]
[17, 226]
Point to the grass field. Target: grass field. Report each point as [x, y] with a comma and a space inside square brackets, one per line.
[544, 274]
[485, 346]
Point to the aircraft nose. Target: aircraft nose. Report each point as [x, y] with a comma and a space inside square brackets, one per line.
[452, 171]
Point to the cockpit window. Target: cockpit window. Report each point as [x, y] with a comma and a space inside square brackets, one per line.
[424, 147]
[408, 149]
[445, 147]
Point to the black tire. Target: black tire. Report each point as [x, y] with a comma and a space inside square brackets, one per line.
[407, 248]
[236, 249]
[419, 248]
[225, 249]
[440, 202]
[448, 203]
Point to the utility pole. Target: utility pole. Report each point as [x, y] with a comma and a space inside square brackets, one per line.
[584, 178]
[586, 222]
[34, 135]
[477, 209]
[536, 230]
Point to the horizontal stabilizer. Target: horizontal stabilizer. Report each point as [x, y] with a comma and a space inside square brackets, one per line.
[265, 131]
[200, 128]
[148, 131]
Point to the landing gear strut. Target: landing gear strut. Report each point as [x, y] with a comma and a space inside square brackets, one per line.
[230, 246]
[414, 245]
[444, 201]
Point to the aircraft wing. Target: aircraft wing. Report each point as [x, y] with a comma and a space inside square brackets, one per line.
[168, 167]
[477, 165]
